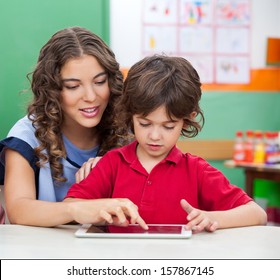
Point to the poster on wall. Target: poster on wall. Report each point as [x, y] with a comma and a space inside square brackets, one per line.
[214, 35]
[232, 69]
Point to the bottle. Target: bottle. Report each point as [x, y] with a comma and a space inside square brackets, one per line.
[277, 144]
[276, 150]
[259, 149]
[249, 146]
[238, 151]
[270, 148]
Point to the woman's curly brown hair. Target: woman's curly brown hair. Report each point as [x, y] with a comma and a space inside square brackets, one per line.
[45, 109]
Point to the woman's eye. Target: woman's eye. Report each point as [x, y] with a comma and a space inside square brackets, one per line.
[144, 124]
[71, 87]
[100, 82]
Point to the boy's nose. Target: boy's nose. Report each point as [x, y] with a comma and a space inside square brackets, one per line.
[155, 134]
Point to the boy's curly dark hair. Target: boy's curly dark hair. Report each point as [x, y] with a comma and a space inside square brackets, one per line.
[161, 80]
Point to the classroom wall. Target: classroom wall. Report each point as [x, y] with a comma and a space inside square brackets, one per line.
[126, 32]
[251, 107]
[227, 112]
[27, 25]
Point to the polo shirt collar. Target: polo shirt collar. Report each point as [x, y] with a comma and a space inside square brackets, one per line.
[129, 153]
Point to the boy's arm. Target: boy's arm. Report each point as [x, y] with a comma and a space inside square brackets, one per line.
[99, 211]
[249, 214]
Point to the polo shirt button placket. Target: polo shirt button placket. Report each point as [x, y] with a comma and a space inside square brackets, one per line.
[149, 183]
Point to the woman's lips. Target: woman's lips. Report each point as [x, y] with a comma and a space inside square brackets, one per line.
[89, 112]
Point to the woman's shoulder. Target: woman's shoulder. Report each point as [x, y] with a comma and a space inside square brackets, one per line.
[24, 130]
[22, 139]
[23, 124]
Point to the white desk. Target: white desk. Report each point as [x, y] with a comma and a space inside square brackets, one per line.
[23, 242]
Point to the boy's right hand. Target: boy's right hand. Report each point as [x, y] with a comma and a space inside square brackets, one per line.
[117, 211]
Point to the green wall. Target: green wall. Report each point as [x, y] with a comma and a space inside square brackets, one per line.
[227, 112]
[25, 27]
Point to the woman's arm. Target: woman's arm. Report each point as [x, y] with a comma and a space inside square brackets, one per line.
[20, 196]
[23, 207]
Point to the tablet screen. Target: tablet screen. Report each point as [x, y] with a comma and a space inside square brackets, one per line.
[153, 229]
[134, 231]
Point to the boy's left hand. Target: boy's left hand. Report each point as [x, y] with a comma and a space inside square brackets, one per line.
[198, 220]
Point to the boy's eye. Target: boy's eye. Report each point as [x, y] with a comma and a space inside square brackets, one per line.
[169, 127]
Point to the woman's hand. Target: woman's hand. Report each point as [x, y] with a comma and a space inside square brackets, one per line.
[198, 220]
[117, 211]
[83, 172]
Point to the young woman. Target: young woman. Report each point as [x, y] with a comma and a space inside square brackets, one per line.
[160, 103]
[75, 86]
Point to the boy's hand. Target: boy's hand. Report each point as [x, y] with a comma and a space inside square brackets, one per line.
[198, 220]
[116, 211]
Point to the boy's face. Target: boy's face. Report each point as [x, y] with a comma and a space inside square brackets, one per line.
[156, 133]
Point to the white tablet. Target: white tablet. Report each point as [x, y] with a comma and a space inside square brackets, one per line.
[134, 231]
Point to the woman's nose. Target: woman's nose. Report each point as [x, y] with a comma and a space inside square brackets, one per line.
[89, 94]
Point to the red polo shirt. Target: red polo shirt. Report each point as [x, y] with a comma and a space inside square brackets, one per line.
[119, 174]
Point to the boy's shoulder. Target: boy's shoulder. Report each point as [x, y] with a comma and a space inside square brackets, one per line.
[127, 152]
[193, 159]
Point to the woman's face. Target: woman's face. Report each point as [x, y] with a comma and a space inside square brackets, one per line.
[85, 92]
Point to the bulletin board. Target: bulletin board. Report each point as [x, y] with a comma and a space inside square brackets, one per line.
[214, 35]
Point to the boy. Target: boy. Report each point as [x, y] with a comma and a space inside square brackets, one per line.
[159, 104]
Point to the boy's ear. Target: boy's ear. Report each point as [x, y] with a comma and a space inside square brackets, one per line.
[193, 115]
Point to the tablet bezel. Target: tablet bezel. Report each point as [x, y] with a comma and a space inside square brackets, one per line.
[83, 232]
